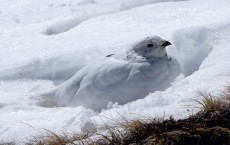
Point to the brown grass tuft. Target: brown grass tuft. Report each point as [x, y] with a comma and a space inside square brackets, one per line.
[55, 139]
[134, 125]
[210, 102]
[214, 103]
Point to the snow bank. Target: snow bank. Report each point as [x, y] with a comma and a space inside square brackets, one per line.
[62, 25]
[134, 3]
[55, 68]
[66, 23]
[192, 46]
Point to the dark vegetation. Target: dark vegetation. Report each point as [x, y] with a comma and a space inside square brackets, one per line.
[205, 128]
[210, 126]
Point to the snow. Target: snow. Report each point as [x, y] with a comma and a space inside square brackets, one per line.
[48, 46]
[192, 47]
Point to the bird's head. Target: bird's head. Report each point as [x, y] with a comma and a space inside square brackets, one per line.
[152, 47]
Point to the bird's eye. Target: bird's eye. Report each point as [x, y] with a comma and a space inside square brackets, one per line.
[150, 45]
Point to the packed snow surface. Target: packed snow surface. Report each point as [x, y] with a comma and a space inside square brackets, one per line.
[53, 60]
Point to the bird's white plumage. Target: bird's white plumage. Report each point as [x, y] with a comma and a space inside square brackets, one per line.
[118, 80]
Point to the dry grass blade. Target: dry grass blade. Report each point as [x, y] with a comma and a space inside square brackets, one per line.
[210, 102]
[134, 125]
[54, 139]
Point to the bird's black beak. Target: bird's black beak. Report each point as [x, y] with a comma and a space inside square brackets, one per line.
[166, 43]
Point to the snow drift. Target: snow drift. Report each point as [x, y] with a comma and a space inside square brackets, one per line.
[192, 46]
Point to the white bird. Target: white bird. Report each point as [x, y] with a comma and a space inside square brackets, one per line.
[148, 49]
[145, 69]
[152, 47]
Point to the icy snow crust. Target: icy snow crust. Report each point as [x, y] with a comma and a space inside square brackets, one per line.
[48, 46]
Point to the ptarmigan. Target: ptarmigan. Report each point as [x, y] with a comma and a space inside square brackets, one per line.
[144, 69]
[148, 49]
